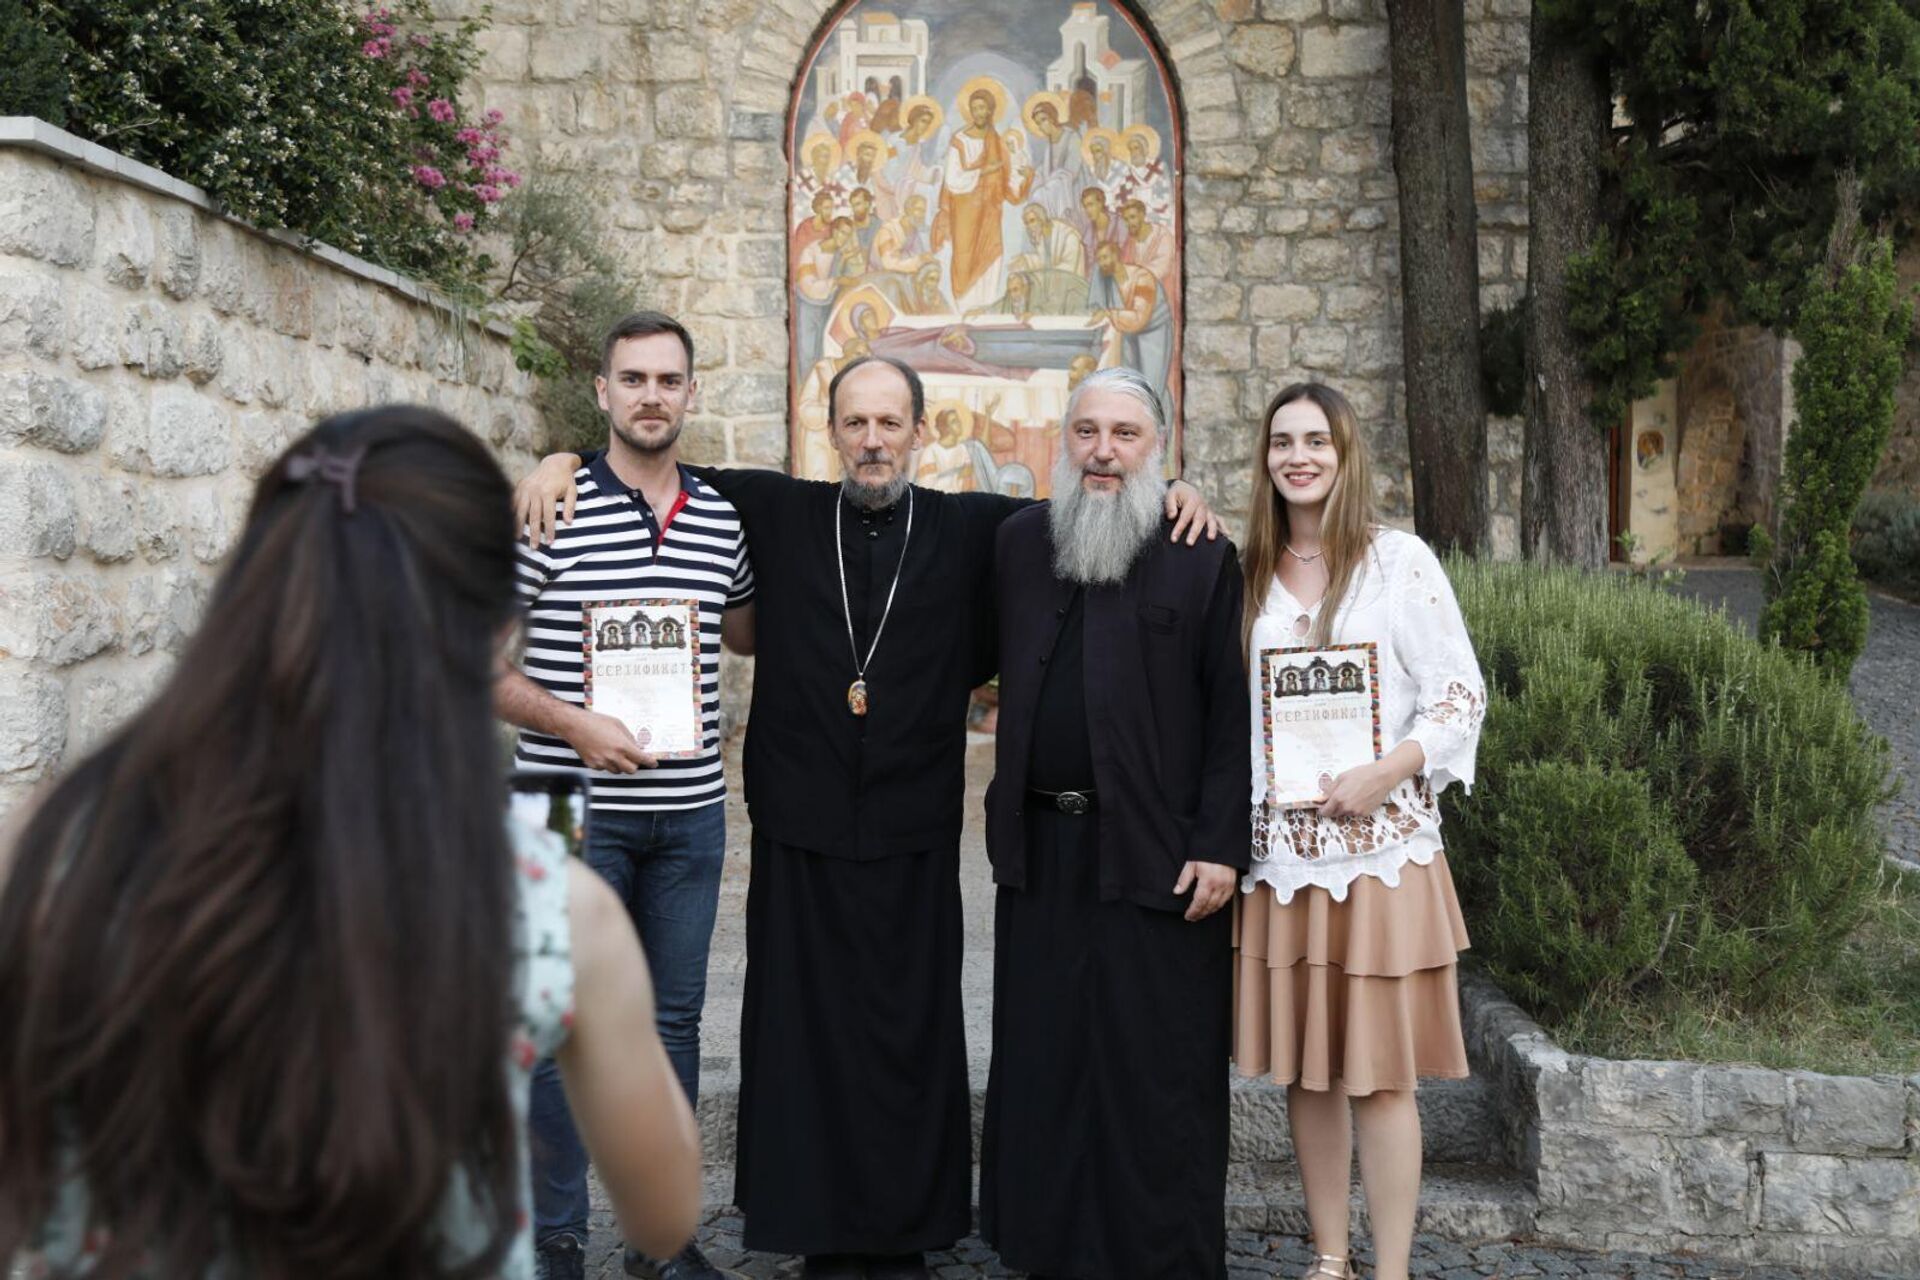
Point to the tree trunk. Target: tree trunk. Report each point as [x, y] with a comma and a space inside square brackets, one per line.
[1563, 493]
[1439, 271]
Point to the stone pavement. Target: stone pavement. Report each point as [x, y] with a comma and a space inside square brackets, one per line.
[1885, 683]
[1253, 1257]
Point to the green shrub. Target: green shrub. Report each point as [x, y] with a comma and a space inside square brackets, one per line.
[1886, 539]
[334, 120]
[1664, 803]
[35, 83]
[1503, 359]
[1853, 330]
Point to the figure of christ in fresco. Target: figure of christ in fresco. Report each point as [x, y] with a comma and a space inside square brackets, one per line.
[1131, 303]
[917, 159]
[863, 172]
[1152, 247]
[1102, 226]
[823, 158]
[1146, 178]
[1059, 168]
[977, 185]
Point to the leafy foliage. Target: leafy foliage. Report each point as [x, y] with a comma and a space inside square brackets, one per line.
[1886, 540]
[36, 81]
[1503, 359]
[338, 122]
[1664, 803]
[1853, 330]
[1722, 183]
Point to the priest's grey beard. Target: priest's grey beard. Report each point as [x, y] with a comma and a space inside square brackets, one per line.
[873, 497]
[1098, 536]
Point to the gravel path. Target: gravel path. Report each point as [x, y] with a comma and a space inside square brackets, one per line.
[1885, 683]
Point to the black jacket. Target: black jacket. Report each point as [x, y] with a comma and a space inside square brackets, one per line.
[1167, 709]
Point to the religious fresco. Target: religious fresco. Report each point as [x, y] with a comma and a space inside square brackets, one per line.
[988, 191]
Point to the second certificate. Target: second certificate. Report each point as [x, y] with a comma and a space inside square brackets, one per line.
[643, 668]
[1320, 717]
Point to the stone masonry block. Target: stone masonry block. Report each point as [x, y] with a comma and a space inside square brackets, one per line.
[37, 516]
[1265, 49]
[33, 723]
[1604, 1178]
[123, 238]
[1712, 1179]
[1642, 1095]
[1290, 302]
[32, 319]
[1743, 1099]
[108, 518]
[1322, 259]
[1346, 50]
[94, 326]
[1320, 347]
[151, 340]
[163, 608]
[188, 434]
[1851, 1195]
[1223, 347]
[46, 211]
[179, 251]
[1847, 1114]
[1352, 151]
[55, 619]
[50, 411]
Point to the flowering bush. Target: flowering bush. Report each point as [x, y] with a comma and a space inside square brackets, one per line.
[333, 120]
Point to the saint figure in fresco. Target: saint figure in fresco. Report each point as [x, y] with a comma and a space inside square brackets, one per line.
[863, 172]
[1146, 177]
[866, 222]
[1151, 246]
[976, 186]
[915, 166]
[1104, 169]
[1131, 303]
[946, 464]
[1059, 168]
[1102, 226]
[823, 158]
[813, 230]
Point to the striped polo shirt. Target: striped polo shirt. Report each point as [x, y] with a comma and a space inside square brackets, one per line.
[615, 551]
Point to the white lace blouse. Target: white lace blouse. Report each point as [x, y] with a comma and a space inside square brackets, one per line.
[1430, 692]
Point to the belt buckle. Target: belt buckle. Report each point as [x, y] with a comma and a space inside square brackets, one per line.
[1073, 802]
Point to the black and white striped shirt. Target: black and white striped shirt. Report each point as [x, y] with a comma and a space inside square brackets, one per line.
[616, 551]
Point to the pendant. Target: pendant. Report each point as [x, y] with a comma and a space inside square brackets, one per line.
[857, 697]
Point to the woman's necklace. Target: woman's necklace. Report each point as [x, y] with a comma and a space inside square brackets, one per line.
[857, 691]
[1304, 559]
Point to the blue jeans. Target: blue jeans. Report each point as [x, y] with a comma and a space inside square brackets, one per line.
[665, 867]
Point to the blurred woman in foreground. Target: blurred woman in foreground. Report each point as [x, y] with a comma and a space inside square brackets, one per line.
[273, 970]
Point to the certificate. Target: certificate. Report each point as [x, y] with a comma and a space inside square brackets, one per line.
[1320, 716]
[642, 667]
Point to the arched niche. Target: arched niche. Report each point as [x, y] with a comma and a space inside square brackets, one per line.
[991, 192]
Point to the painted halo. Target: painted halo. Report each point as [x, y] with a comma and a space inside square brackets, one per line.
[807, 148]
[861, 138]
[1116, 149]
[918, 101]
[1146, 131]
[959, 407]
[1002, 100]
[1054, 99]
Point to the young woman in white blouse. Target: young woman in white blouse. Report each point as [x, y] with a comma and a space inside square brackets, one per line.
[1348, 929]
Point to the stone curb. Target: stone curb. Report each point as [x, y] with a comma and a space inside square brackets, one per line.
[1739, 1162]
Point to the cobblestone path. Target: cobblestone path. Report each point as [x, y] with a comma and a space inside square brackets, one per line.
[1885, 684]
[1253, 1257]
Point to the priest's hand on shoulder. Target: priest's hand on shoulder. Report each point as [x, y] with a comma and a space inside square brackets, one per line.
[607, 744]
[1190, 513]
[1212, 886]
[547, 486]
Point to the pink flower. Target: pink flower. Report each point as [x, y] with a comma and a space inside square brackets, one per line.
[479, 157]
[463, 221]
[489, 194]
[417, 78]
[441, 110]
[495, 116]
[468, 136]
[511, 178]
[423, 42]
[375, 48]
[403, 98]
[429, 177]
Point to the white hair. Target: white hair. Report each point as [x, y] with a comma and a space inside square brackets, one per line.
[1127, 381]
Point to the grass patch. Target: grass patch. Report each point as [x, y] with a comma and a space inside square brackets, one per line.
[1859, 1015]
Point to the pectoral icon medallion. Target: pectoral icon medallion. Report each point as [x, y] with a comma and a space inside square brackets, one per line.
[857, 697]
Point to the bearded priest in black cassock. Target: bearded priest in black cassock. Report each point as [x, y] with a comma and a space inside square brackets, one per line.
[874, 624]
[1118, 826]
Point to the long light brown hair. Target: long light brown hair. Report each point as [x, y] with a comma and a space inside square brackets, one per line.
[1346, 529]
[256, 951]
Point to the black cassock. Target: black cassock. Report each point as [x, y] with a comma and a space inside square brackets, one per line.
[854, 1119]
[1104, 1148]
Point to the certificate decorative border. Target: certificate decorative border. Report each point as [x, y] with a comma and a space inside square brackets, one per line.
[1266, 695]
[693, 642]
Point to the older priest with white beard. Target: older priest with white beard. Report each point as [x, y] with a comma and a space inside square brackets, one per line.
[1117, 825]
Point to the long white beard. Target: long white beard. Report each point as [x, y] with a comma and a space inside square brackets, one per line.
[1098, 536]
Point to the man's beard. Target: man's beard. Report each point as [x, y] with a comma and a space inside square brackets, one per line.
[630, 436]
[1098, 536]
[872, 497]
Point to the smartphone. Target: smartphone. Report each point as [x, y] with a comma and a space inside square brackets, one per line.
[557, 800]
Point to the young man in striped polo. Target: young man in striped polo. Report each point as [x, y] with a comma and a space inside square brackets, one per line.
[653, 555]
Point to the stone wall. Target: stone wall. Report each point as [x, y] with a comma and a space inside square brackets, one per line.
[677, 110]
[154, 359]
[1900, 465]
[1735, 410]
[1731, 1162]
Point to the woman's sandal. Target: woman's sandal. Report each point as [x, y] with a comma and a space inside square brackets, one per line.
[1331, 1268]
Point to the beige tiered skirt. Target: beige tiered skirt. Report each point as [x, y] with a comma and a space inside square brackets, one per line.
[1357, 995]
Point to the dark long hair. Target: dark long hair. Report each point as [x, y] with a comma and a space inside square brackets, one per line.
[255, 951]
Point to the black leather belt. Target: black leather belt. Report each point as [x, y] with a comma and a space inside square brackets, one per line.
[1073, 802]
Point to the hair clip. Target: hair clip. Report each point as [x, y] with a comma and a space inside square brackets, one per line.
[337, 469]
